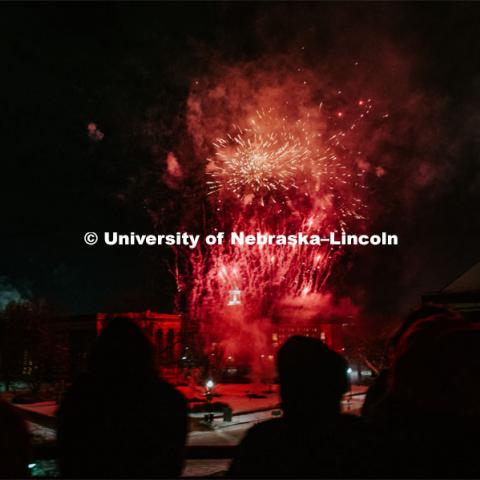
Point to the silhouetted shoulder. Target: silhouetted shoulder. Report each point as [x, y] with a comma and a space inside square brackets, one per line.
[167, 391]
[332, 448]
[14, 443]
[257, 455]
[139, 427]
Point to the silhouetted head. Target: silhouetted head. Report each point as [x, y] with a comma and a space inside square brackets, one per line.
[121, 350]
[419, 314]
[311, 376]
[436, 366]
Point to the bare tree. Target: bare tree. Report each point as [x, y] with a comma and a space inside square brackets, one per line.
[32, 349]
[367, 347]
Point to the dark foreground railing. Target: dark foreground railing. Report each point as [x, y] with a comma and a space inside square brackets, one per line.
[48, 451]
[44, 460]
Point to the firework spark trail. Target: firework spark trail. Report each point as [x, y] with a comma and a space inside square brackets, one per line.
[256, 271]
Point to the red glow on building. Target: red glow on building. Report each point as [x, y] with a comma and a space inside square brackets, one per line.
[329, 333]
[162, 329]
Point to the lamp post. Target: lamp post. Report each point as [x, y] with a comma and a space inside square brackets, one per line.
[349, 401]
[208, 397]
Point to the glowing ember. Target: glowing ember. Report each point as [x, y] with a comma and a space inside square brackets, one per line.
[288, 162]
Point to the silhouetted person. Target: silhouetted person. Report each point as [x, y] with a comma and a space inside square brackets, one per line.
[312, 439]
[377, 391]
[14, 443]
[431, 411]
[120, 419]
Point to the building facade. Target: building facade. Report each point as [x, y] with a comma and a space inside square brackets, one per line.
[329, 333]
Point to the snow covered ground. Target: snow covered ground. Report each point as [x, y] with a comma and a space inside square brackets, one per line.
[227, 433]
[40, 433]
[205, 468]
[240, 397]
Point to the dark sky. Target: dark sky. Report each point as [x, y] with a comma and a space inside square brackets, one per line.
[124, 66]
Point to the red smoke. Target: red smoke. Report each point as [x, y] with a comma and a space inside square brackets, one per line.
[279, 158]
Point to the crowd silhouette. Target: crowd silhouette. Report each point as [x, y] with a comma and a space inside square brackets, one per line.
[420, 419]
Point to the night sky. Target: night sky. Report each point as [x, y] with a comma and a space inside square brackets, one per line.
[128, 68]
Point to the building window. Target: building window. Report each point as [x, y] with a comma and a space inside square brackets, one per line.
[159, 345]
[170, 344]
